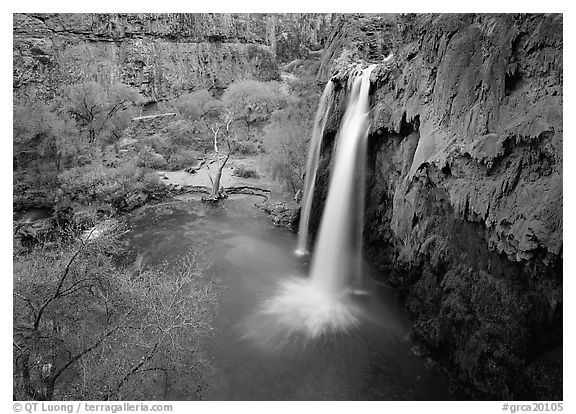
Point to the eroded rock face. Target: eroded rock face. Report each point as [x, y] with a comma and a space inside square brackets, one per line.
[464, 202]
[160, 54]
[357, 37]
[301, 35]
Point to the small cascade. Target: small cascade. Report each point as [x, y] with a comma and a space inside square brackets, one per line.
[312, 166]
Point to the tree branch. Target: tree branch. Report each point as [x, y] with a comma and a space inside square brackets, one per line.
[29, 302]
[59, 287]
[84, 352]
[136, 367]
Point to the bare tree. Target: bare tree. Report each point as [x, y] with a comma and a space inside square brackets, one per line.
[101, 113]
[86, 329]
[248, 102]
[221, 131]
[199, 106]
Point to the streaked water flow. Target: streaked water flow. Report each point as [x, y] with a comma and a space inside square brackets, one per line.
[294, 326]
[325, 302]
[312, 166]
[250, 259]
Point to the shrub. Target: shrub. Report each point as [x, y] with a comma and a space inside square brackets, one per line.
[286, 145]
[63, 213]
[159, 143]
[245, 172]
[286, 137]
[198, 104]
[124, 188]
[42, 134]
[148, 158]
[182, 159]
[86, 328]
[253, 101]
[101, 113]
[187, 134]
[33, 189]
[247, 148]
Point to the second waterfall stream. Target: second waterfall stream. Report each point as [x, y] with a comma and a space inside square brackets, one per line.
[324, 302]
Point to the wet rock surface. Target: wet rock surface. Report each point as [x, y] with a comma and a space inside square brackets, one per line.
[464, 200]
[282, 213]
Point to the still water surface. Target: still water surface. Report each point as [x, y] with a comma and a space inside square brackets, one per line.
[250, 257]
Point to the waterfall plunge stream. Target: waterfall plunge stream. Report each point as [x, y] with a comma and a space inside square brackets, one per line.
[337, 260]
[281, 334]
[325, 302]
[312, 166]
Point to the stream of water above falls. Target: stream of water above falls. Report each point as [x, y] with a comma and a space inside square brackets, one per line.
[250, 259]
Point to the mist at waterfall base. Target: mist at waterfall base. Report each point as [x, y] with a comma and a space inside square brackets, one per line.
[248, 259]
[291, 327]
[329, 301]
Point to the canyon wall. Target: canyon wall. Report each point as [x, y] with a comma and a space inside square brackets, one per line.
[464, 200]
[301, 35]
[160, 54]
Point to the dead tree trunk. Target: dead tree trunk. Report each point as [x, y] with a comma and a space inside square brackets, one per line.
[218, 192]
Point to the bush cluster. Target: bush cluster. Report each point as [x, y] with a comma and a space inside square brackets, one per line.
[245, 172]
[247, 148]
[182, 159]
[148, 158]
[73, 298]
[123, 188]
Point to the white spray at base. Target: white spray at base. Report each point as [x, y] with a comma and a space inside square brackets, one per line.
[325, 302]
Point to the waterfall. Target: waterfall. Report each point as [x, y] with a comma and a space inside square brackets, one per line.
[326, 301]
[336, 264]
[312, 165]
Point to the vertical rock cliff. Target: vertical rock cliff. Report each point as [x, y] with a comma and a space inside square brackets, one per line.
[464, 201]
[160, 54]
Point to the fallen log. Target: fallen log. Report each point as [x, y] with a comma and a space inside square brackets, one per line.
[194, 169]
[262, 192]
[247, 190]
[196, 189]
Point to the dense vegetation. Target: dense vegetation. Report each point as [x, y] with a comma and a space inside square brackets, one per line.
[89, 325]
[82, 147]
[86, 327]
